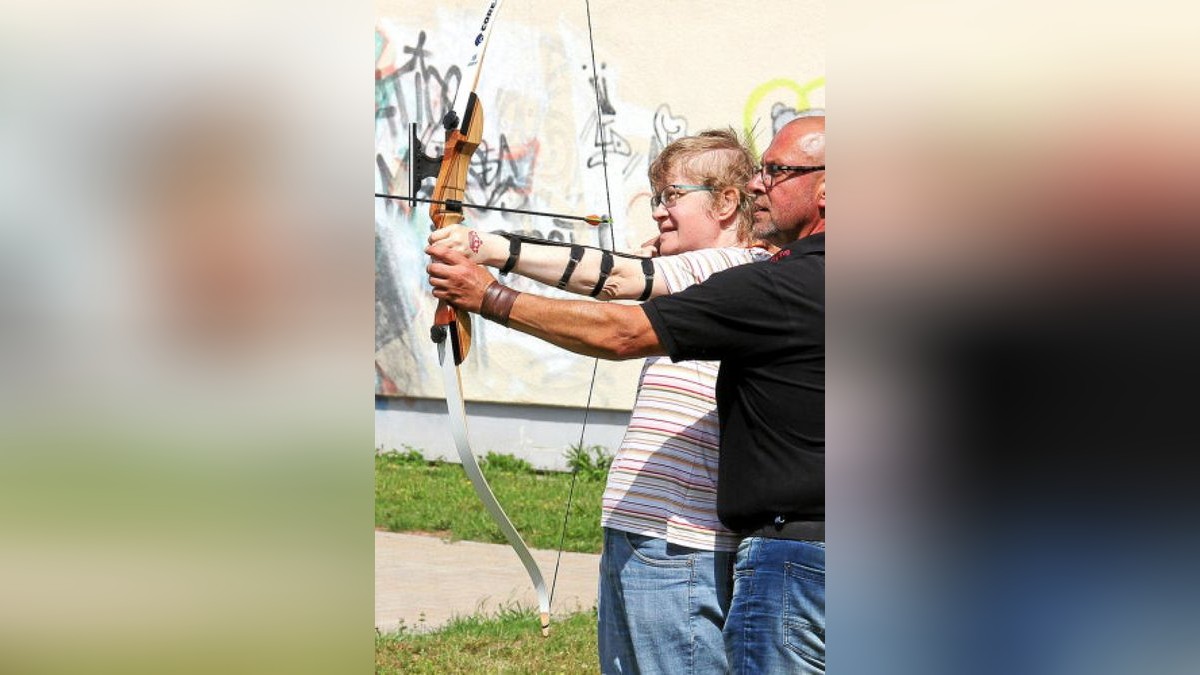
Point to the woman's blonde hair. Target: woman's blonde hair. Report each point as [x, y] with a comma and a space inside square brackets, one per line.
[714, 158]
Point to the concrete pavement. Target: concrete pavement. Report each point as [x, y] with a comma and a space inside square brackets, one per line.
[422, 581]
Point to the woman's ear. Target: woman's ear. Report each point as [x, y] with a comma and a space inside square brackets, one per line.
[725, 203]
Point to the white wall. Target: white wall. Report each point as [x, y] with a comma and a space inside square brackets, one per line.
[664, 69]
[538, 434]
[668, 68]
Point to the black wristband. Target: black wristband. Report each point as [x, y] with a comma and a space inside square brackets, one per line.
[576, 256]
[606, 265]
[514, 253]
[648, 272]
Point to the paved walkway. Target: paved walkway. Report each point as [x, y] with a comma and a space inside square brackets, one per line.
[423, 581]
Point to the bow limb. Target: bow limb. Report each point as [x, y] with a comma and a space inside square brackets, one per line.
[458, 427]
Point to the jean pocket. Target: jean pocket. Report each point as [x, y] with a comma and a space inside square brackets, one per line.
[804, 613]
[655, 552]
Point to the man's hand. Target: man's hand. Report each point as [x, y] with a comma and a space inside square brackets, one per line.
[456, 279]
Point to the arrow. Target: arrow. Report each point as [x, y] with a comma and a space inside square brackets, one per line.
[456, 205]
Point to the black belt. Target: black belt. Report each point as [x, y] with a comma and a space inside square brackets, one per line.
[799, 530]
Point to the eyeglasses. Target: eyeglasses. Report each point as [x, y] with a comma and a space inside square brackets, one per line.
[673, 192]
[768, 172]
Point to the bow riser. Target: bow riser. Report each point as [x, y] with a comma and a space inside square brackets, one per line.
[451, 184]
[456, 161]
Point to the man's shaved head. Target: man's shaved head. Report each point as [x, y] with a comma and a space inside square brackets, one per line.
[794, 205]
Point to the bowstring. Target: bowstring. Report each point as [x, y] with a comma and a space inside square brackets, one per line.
[600, 121]
[612, 243]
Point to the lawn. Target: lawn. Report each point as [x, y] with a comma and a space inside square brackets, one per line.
[415, 495]
[503, 643]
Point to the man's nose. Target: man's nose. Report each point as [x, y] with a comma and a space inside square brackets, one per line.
[755, 185]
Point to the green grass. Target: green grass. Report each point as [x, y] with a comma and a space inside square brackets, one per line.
[498, 644]
[414, 495]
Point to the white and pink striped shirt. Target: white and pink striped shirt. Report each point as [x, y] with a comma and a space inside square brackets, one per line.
[663, 480]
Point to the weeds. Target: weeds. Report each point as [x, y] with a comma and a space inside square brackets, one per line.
[590, 463]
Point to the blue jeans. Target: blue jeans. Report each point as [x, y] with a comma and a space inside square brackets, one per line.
[776, 622]
[661, 606]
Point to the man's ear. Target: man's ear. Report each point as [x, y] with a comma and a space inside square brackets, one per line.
[821, 194]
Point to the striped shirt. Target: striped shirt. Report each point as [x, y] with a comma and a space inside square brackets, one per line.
[663, 480]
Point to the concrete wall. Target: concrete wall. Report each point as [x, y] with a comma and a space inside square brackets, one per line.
[538, 434]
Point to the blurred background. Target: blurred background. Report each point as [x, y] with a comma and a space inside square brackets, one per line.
[1011, 333]
[185, 323]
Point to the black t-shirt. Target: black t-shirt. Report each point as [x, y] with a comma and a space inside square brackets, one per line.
[765, 323]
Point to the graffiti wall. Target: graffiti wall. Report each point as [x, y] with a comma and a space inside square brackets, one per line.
[567, 130]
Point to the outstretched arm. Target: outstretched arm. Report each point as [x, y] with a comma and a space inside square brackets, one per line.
[549, 264]
[606, 331]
